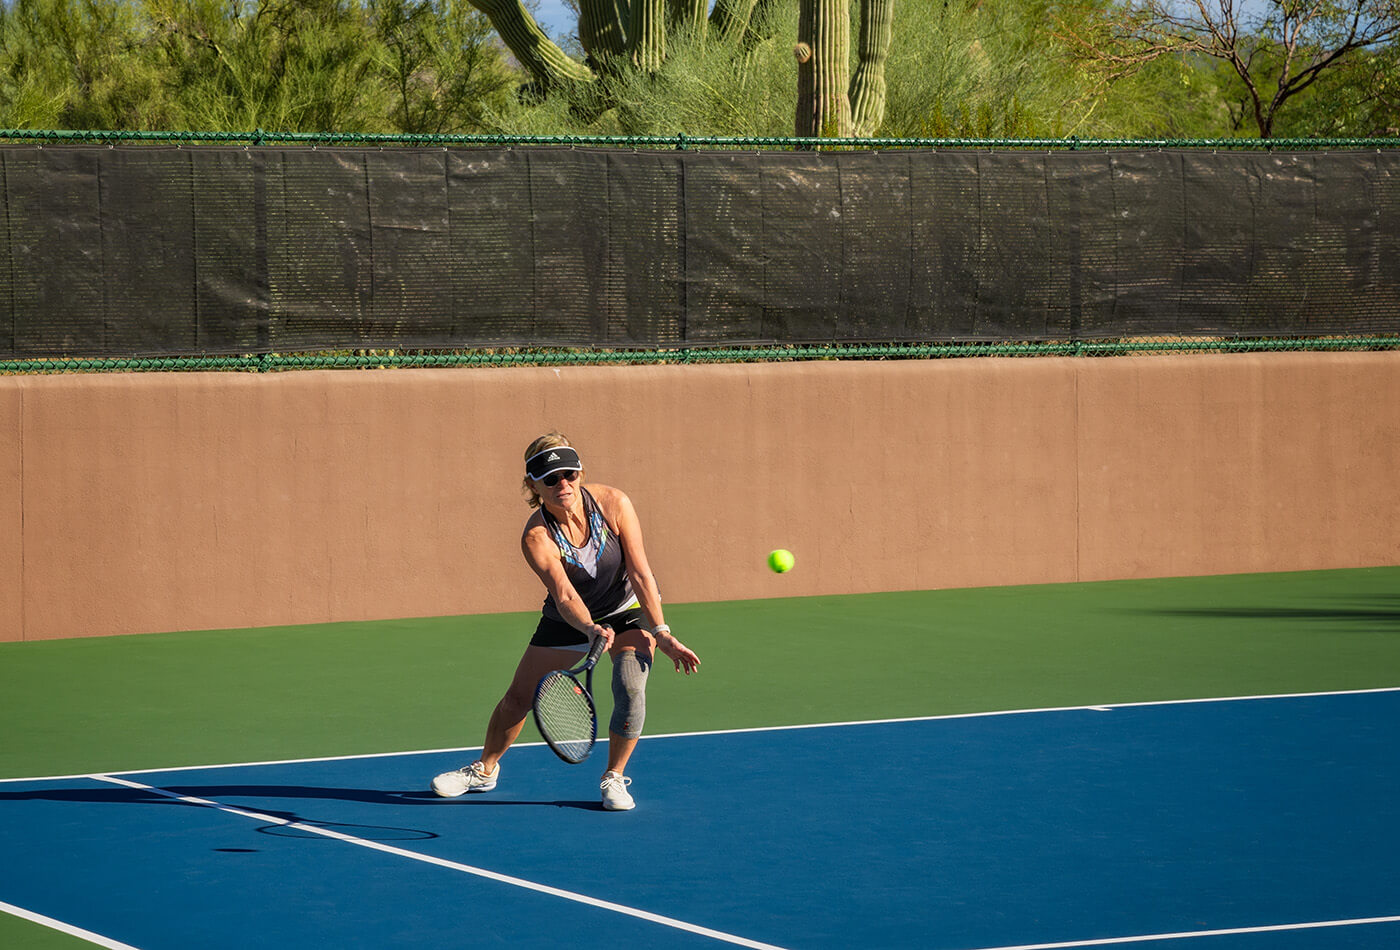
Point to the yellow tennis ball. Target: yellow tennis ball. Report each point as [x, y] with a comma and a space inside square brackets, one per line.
[781, 561]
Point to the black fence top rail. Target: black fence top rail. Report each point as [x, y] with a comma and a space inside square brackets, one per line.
[681, 141]
[370, 360]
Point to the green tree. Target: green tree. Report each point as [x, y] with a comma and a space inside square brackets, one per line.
[1358, 99]
[1277, 49]
[75, 64]
[282, 65]
[442, 63]
[999, 69]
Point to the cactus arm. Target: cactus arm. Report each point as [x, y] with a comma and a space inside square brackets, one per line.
[873, 50]
[546, 62]
[760, 28]
[731, 17]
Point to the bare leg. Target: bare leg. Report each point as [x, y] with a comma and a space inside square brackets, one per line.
[619, 751]
[508, 718]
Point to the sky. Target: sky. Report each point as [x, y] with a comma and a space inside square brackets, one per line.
[556, 18]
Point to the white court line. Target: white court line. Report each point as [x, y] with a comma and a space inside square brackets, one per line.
[1096, 707]
[1188, 935]
[450, 865]
[69, 929]
[1093, 707]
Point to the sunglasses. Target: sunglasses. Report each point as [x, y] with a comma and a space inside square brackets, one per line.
[553, 478]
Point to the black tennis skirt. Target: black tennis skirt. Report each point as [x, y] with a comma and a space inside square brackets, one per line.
[559, 635]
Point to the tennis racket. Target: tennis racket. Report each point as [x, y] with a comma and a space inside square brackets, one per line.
[564, 712]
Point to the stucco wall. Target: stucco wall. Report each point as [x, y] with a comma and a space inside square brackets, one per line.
[152, 502]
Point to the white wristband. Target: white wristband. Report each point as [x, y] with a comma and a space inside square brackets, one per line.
[660, 628]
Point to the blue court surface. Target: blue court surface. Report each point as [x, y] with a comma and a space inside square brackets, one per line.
[1220, 825]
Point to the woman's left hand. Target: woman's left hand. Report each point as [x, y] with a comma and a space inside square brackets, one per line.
[683, 656]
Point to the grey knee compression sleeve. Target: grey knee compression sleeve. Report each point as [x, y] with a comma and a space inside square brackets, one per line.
[629, 687]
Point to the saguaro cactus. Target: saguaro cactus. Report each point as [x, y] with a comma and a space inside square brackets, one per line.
[872, 50]
[745, 19]
[690, 15]
[823, 54]
[731, 17]
[618, 35]
[546, 62]
[648, 34]
[602, 30]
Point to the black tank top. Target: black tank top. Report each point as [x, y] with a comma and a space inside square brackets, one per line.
[597, 568]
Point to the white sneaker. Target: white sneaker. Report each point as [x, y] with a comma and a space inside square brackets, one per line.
[471, 778]
[615, 796]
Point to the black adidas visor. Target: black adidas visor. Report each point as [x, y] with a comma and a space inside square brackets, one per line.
[558, 459]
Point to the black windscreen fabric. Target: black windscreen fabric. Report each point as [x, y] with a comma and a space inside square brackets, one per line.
[152, 251]
[54, 238]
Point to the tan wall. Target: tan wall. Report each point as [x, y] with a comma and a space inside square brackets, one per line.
[149, 502]
[12, 624]
[1205, 465]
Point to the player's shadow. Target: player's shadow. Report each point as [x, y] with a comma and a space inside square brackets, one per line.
[220, 795]
[479, 801]
[249, 798]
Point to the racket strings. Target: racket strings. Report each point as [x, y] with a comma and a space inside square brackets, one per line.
[565, 717]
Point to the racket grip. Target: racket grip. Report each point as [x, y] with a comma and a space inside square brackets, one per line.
[596, 650]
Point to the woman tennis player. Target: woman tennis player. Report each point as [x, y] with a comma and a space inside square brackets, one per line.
[585, 543]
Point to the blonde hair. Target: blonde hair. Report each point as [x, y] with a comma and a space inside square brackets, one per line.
[550, 440]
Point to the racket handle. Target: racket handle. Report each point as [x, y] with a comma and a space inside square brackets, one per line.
[596, 651]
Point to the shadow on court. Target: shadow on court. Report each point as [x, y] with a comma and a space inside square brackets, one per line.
[218, 793]
[251, 798]
[221, 794]
[1381, 616]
